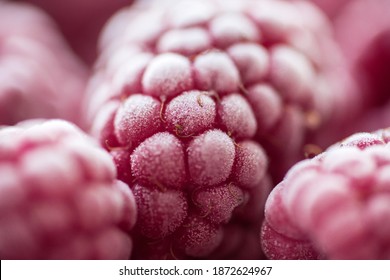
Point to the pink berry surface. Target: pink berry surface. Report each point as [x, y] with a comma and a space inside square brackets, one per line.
[334, 206]
[60, 198]
[39, 75]
[195, 130]
[203, 105]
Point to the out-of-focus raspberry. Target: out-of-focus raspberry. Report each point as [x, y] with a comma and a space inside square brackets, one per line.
[334, 206]
[59, 196]
[39, 76]
[200, 101]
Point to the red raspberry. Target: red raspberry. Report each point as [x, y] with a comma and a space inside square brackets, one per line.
[193, 98]
[335, 205]
[39, 76]
[59, 196]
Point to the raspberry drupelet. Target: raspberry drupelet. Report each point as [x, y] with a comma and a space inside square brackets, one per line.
[202, 102]
[59, 196]
[334, 206]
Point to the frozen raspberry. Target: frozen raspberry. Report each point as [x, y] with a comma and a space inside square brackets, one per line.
[194, 99]
[39, 76]
[59, 196]
[334, 206]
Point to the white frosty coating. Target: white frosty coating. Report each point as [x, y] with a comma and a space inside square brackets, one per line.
[190, 113]
[210, 158]
[237, 115]
[251, 164]
[292, 73]
[137, 118]
[167, 75]
[362, 140]
[198, 237]
[159, 161]
[267, 105]
[252, 61]
[160, 213]
[230, 28]
[217, 203]
[184, 41]
[216, 71]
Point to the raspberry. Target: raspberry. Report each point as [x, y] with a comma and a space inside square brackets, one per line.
[60, 198]
[346, 187]
[39, 76]
[196, 106]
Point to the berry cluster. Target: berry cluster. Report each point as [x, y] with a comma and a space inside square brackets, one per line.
[195, 105]
[182, 132]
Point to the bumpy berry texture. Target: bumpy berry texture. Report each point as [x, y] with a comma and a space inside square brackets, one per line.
[195, 99]
[39, 76]
[60, 198]
[334, 206]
